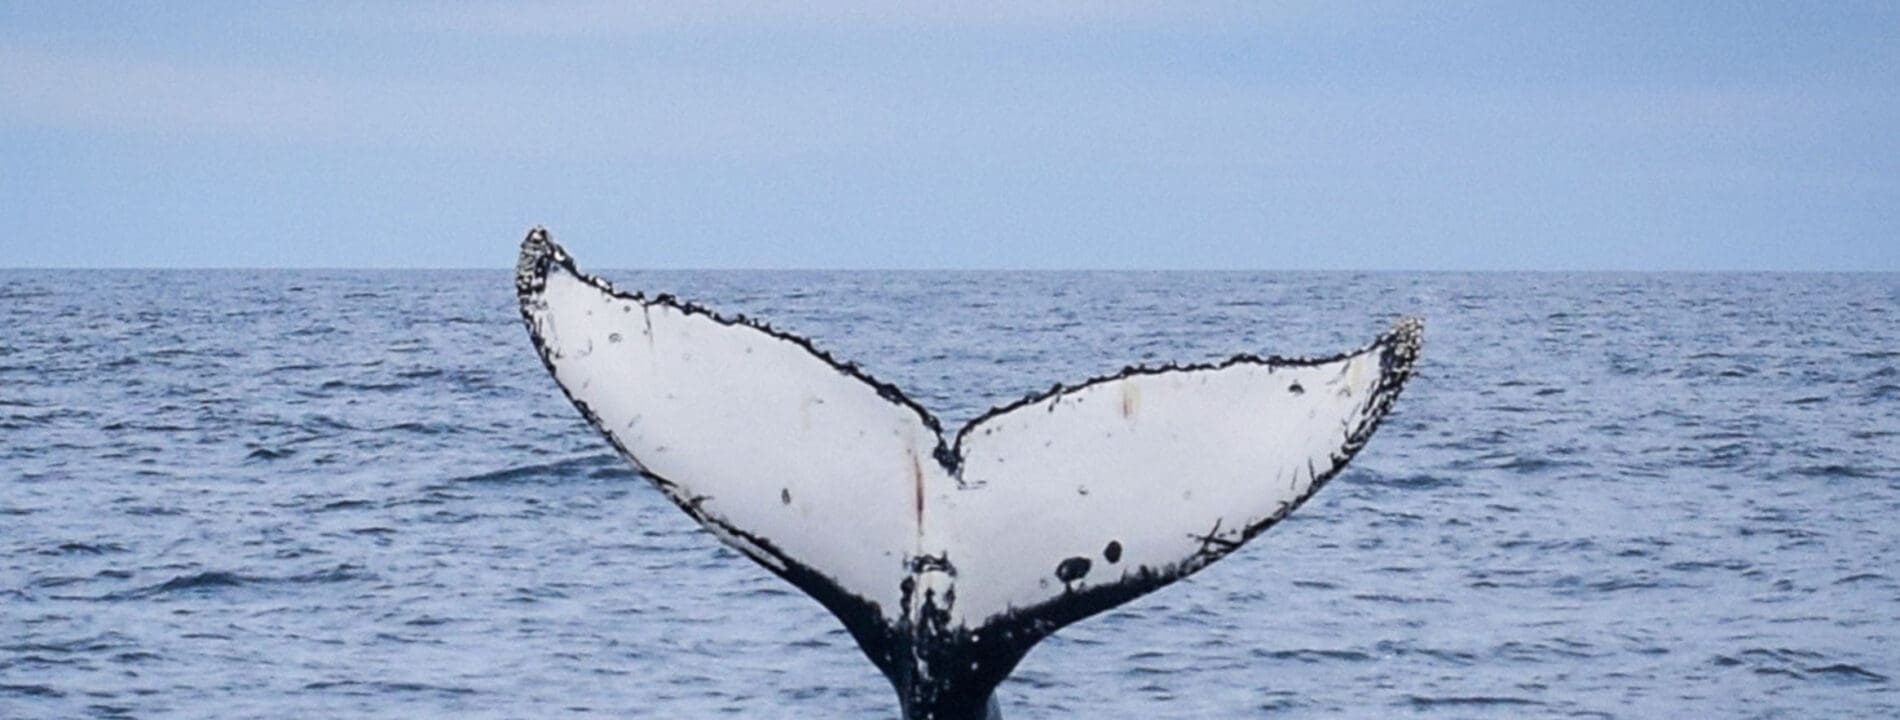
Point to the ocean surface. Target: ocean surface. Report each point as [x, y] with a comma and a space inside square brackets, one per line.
[288, 494]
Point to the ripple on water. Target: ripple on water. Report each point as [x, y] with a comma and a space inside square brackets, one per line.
[336, 494]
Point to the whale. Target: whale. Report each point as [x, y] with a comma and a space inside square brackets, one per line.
[949, 555]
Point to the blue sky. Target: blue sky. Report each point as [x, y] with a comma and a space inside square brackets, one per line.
[1509, 135]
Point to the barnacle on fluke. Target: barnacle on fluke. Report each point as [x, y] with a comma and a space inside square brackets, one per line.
[947, 560]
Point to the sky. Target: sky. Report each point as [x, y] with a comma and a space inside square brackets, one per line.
[1079, 135]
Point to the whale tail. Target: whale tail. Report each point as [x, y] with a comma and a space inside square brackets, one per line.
[948, 557]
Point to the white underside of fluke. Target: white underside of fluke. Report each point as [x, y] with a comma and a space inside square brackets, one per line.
[1166, 470]
[752, 430]
[1129, 481]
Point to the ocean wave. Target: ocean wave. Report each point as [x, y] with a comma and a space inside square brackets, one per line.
[588, 466]
[370, 688]
[1425, 701]
[212, 582]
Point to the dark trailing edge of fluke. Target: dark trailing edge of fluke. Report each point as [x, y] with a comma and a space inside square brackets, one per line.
[539, 253]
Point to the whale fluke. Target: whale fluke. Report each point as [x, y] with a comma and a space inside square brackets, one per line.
[948, 557]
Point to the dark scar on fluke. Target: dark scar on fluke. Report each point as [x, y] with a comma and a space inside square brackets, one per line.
[1073, 569]
[1112, 553]
[932, 563]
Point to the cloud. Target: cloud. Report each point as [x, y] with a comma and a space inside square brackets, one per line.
[1003, 102]
[649, 106]
[654, 110]
[599, 18]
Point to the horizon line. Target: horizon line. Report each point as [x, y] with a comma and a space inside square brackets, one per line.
[1053, 270]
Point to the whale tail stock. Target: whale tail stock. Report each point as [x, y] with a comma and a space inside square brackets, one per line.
[948, 557]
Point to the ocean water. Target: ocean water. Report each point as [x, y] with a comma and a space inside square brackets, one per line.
[233, 494]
